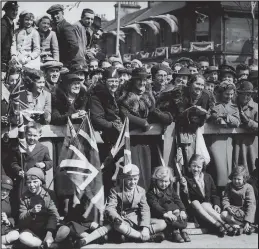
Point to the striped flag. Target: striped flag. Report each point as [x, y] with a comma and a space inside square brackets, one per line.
[21, 135]
[120, 153]
[80, 160]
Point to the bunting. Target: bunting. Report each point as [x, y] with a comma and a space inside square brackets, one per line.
[175, 49]
[201, 46]
[143, 54]
[160, 51]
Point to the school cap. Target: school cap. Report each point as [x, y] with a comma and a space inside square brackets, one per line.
[6, 182]
[130, 170]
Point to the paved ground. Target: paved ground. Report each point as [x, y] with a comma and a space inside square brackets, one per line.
[198, 241]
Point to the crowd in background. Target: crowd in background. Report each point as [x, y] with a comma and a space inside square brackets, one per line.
[50, 65]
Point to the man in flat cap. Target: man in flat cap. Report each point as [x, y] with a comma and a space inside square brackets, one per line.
[7, 32]
[67, 40]
[51, 70]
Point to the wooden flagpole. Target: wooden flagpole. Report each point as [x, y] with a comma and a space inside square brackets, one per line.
[118, 30]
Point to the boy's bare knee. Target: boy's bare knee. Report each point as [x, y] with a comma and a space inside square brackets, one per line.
[15, 235]
[24, 237]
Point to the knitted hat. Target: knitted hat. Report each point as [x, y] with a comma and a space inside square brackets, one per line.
[35, 172]
[6, 182]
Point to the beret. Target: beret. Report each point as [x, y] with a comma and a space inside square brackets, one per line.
[55, 7]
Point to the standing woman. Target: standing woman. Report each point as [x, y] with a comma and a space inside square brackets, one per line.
[48, 39]
[138, 104]
[224, 114]
[26, 42]
[246, 145]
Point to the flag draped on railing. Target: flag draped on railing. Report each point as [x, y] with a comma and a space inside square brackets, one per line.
[80, 160]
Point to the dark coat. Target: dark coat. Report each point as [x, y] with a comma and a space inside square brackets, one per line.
[45, 220]
[67, 41]
[210, 190]
[39, 154]
[7, 32]
[62, 108]
[104, 109]
[6, 208]
[165, 201]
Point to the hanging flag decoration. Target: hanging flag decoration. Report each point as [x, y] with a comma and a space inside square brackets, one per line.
[143, 54]
[201, 46]
[175, 49]
[161, 51]
[80, 161]
[170, 19]
[155, 26]
[134, 26]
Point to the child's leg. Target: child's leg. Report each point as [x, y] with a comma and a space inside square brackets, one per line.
[230, 219]
[208, 207]
[28, 239]
[157, 226]
[127, 230]
[96, 234]
[62, 233]
[10, 237]
[203, 213]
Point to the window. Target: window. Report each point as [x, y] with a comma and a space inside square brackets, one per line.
[238, 33]
[202, 29]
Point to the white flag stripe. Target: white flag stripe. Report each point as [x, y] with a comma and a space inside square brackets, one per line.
[91, 176]
[78, 173]
[73, 163]
[118, 167]
[127, 134]
[98, 196]
[127, 152]
[71, 128]
[77, 152]
[90, 141]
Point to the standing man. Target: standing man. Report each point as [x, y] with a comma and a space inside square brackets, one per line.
[84, 31]
[67, 40]
[7, 27]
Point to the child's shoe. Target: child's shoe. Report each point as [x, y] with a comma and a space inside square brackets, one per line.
[176, 237]
[185, 236]
[239, 231]
[158, 237]
[221, 231]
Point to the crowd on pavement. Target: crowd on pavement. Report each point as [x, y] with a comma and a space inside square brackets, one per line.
[50, 68]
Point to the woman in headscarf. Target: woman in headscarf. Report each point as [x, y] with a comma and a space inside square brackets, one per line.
[246, 145]
[26, 42]
[224, 114]
[48, 39]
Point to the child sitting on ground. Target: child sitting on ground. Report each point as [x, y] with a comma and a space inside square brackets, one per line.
[238, 202]
[38, 214]
[128, 211]
[200, 189]
[166, 204]
[9, 235]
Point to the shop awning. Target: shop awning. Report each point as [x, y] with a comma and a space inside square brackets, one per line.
[170, 19]
[155, 26]
[134, 26]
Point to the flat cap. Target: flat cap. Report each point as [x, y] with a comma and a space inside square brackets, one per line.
[55, 7]
[129, 171]
[184, 71]
[71, 77]
[76, 68]
[10, 5]
[50, 63]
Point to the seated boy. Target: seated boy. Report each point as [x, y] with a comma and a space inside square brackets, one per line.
[38, 215]
[128, 211]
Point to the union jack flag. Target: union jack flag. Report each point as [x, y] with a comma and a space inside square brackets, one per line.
[21, 135]
[80, 160]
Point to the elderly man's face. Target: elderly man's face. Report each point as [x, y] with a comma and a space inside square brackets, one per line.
[52, 75]
[87, 19]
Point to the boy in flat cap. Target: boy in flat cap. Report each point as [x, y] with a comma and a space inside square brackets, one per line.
[67, 40]
[9, 235]
[7, 32]
[128, 211]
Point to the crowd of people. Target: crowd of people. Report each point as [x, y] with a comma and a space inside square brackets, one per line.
[51, 74]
